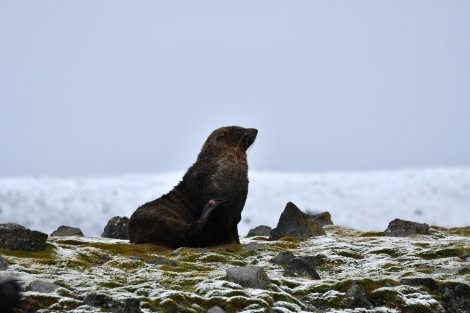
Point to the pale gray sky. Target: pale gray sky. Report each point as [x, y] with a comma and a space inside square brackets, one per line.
[111, 87]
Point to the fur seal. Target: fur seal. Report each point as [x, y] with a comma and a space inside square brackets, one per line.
[205, 207]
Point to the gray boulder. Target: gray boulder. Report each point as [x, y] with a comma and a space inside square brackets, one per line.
[63, 231]
[248, 276]
[402, 228]
[116, 228]
[17, 237]
[295, 223]
[262, 230]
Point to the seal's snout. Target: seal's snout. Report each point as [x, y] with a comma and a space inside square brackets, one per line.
[250, 136]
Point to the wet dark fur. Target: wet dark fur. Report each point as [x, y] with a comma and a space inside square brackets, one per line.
[220, 172]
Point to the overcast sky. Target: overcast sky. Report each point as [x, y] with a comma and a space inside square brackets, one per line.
[114, 87]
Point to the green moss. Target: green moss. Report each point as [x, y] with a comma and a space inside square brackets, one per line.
[109, 284]
[47, 254]
[443, 253]
[388, 251]
[373, 234]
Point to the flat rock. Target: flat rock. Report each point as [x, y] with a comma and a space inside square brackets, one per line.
[295, 223]
[427, 282]
[262, 230]
[43, 286]
[298, 267]
[116, 228]
[63, 231]
[402, 228]
[17, 237]
[248, 276]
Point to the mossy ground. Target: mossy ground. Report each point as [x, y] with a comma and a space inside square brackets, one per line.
[194, 280]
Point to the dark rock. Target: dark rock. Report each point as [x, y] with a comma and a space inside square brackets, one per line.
[402, 228]
[293, 222]
[455, 298]
[3, 264]
[282, 258]
[9, 295]
[131, 305]
[358, 297]
[426, 282]
[260, 231]
[43, 286]
[63, 231]
[161, 261]
[298, 267]
[116, 228]
[17, 237]
[314, 260]
[99, 300]
[248, 276]
[215, 309]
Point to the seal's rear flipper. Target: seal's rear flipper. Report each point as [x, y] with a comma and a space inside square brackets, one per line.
[197, 226]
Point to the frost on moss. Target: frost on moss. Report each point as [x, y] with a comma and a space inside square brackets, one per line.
[193, 280]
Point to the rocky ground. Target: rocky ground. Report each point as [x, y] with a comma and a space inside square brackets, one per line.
[357, 271]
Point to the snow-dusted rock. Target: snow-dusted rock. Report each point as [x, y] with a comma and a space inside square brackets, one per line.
[248, 276]
[116, 228]
[67, 231]
[17, 237]
[402, 228]
[295, 223]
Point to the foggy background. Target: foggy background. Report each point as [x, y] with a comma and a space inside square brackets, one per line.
[111, 87]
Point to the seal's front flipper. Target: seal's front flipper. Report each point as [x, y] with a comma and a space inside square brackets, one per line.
[197, 226]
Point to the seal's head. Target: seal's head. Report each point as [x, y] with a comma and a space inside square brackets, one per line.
[233, 137]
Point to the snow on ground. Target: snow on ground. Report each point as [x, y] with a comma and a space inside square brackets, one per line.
[362, 200]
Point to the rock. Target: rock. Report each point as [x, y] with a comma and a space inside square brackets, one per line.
[131, 305]
[17, 237]
[293, 222]
[282, 258]
[260, 231]
[63, 231]
[427, 282]
[299, 267]
[116, 228]
[9, 295]
[99, 300]
[455, 297]
[358, 297]
[43, 286]
[248, 276]
[161, 261]
[3, 264]
[215, 309]
[402, 228]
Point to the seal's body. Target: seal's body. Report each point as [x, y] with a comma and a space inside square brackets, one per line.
[205, 207]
